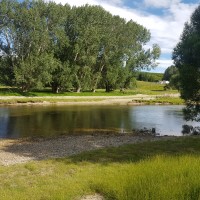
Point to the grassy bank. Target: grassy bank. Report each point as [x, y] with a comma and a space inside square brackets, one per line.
[46, 96]
[25, 100]
[151, 170]
[161, 100]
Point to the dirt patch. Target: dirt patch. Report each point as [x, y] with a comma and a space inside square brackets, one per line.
[92, 197]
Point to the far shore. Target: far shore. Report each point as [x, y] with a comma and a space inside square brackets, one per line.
[138, 99]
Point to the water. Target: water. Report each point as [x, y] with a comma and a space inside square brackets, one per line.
[33, 121]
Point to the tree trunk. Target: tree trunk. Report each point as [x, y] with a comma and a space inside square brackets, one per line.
[97, 79]
[78, 90]
[55, 88]
[108, 89]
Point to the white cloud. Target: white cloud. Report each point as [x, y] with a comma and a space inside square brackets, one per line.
[160, 3]
[165, 30]
[164, 63]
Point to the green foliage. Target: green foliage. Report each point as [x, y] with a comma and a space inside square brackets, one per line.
[187, 59]
[171, 74]
[86, 46]
[34, 72]
[148, 76]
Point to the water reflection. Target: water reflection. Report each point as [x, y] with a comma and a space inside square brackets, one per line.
[25, 121]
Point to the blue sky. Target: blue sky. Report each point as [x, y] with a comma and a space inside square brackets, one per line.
[164, 18]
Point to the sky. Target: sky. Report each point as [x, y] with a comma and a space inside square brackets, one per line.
[163, 18]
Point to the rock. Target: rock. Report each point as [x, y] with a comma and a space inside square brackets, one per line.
[196, 131]
[187, 129]
[153, 130]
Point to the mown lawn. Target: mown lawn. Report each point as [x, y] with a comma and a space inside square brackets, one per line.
[160, 170]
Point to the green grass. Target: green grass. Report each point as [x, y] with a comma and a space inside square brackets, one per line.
[147, 88]
[152, 170]
[42, 100]
[142, 88]
[161, 100]
[152, 88]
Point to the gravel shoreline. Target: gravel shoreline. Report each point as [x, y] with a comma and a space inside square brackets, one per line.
[24, 150]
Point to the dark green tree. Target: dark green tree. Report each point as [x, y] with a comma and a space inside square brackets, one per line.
[187, 59]
[171, 74]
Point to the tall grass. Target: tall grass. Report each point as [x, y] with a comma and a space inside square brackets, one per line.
[152, 170]
[162, 177]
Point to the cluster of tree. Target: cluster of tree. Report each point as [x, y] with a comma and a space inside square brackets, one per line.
[150, 77]
[171, 74]
[46, 44]
[187, 59]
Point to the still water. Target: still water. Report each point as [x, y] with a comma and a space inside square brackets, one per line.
[33, 121]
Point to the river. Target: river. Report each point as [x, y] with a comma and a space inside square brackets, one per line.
[48, 121]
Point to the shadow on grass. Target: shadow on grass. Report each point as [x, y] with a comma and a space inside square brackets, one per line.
[14, 92]
[53, 148]
[141, 151]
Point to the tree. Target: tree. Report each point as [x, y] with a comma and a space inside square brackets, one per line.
[24, 43]
[171, 74]
[85, 30]
[42, 43]
[8, 9]
[186, 58]
[57, 15]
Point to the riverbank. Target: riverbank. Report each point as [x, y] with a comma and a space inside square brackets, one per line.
[24, 150]
[133, 171]
[173, 99]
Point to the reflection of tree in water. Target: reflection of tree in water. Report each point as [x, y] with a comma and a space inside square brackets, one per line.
[192, 112]
[51, 121]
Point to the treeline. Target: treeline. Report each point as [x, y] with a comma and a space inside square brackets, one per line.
[149, 76]
[48, 44]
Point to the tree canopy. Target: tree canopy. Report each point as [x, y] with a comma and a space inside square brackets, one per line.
[79, 48]
[171, 74]
[187, 60]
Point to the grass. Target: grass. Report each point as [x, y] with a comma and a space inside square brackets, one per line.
[142, 88]
[161, 100]
[151, 170]
[42, 100]
[146, 88]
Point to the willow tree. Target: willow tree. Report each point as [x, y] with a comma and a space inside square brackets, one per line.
[187, 60]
